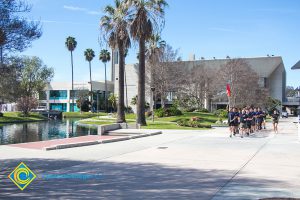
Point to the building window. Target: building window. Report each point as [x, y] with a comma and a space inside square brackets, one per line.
[58, 106]
[58, 94]
[265, 82]
[79, 93]
[170, 96]
[76, 109]
[42, 95]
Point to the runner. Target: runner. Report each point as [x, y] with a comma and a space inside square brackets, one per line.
[259, 118]
[275, 119]
[264, 119]
[243, 118]
[252, 117]
[248, 122]
[231, 121]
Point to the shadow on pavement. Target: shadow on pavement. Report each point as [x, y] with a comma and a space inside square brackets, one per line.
[118, 181]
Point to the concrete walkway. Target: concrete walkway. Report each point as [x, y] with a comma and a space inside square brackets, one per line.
[173, 165]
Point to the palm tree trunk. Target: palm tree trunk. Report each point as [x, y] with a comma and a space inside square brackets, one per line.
[120, 110]
[126, 88]
[91, 82]
[141, 119]
[72, 83]
[105, 94]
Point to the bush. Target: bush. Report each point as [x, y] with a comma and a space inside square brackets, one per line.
[128, 109]
[189, 109]
[204, 110]
[1, 114]
[194, 124]
[222, 113]
[148, 113]
[172, 111]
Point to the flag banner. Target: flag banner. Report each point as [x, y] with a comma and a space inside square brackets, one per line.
[228, 90]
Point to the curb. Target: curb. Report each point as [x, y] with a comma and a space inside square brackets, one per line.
[81, 144]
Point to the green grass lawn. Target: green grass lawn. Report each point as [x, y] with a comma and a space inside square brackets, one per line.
[159, 123]
[12, 117]
[82, 115]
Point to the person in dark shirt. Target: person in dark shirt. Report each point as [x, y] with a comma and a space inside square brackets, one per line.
[232, 117]
[259, 115]
[252, 117]
[243, 120]
[248, 122]
[275, 119]
[264, 116]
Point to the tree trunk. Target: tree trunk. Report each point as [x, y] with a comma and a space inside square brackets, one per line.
[105, 94]
[126, 91]
[120, 109]
[141, 119]
[72, 84]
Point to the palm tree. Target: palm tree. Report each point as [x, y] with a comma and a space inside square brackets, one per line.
[105, 57]
[115, 28]
[89, 55]
[71, 45]
[148, 18]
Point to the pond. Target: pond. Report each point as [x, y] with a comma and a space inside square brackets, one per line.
[41, 131]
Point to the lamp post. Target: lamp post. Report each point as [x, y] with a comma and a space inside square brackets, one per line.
[152, 102]
[98, 100]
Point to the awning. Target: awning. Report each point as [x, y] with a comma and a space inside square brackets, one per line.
[297, 65]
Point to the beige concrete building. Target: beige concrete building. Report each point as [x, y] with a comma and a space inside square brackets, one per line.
[270, 69]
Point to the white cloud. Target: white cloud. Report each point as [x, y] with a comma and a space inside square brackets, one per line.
[81, 9]
[74, 8]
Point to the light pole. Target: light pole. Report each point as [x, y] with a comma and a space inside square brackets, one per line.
[152, 102]
[98, 101]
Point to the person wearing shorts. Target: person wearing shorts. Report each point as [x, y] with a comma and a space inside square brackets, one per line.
[231, 121]
[243, 118]
[275, 119]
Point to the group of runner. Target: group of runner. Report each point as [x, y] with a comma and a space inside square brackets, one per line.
[249, 120]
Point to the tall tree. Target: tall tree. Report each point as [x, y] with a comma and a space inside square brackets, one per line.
[71, 45]
[89, 55]
[33, 79]
[105, 57]
[16, 32]
[148, 18]
[114, 25]
[239, 74]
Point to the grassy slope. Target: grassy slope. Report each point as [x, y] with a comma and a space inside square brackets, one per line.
[16, 117]
[159, 123]
[81, 115]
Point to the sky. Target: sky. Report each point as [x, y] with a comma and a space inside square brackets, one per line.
[206, 28]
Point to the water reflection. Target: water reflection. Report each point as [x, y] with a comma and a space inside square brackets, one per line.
[40, 131]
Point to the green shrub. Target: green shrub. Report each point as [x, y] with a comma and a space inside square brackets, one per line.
[172, 111]
[204, 110]
[222, 113]
[189, 109]
[194, 124]
[160, 112]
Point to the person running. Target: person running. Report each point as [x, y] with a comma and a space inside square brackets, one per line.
[275, 119]
[231, 121]
[259, 118]
[248, 122]
[264, 116]
[243, 118]
[236, 121]
[252, 117]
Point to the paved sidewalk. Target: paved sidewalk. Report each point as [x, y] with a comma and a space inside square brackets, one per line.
[174, 165]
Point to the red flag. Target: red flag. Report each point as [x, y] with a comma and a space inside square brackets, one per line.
[228, 90]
